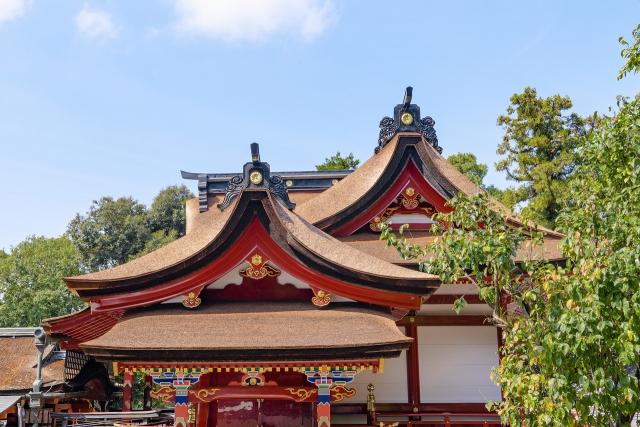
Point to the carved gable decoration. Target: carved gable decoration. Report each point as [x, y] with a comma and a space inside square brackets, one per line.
[410, 207]
[258, 268]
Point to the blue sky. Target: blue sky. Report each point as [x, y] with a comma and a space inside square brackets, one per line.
[115, 97]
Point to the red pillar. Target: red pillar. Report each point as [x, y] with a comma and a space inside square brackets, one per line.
[127, 391]
[202, 411]
[148, 386]
[413, 366]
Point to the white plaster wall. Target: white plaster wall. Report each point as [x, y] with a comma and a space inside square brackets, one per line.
[455, 363]
[390, 385]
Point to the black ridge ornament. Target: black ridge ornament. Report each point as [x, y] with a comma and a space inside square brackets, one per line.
[406, 118]
[256, 174]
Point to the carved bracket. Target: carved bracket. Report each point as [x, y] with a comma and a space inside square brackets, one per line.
[320, 298]
[191, 300]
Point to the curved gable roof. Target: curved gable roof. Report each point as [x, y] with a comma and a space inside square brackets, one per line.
[348, 198]
[218, 231]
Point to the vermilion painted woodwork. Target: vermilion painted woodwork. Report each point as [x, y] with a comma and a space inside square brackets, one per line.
[452, 320]
[450, 299]
[82, 326]
[409, 177]
[374, 364]
[266, 289]
[254, 238]
[127, 391]
[293, 393]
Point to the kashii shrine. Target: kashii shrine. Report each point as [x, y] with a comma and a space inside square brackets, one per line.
[282, 307]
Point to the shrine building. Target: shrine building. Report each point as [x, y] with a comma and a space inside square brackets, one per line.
[282, 307]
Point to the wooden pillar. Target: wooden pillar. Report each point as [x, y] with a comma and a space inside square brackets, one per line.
[325, 378]
[413, 365]
[323, 404]
[180, 381]
[371, 406]
[202, 415]
[127, 391]
[146, 397]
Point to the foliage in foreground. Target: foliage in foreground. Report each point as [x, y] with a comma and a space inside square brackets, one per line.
[571, 333]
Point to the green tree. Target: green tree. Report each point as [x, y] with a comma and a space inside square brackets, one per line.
[467, 163]
[110, 233]
[31, 286]
[167, 211]
[631, 54]
[539, 148]
[338, 162]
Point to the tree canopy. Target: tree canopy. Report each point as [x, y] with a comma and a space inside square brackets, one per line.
[338, 162]
[114, 231]
[111, 232]
[31, 286]
[539, 151]
[467, 163]
[167, 211]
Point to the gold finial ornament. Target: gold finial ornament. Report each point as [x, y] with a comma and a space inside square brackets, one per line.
[255, 177]
[406, 119]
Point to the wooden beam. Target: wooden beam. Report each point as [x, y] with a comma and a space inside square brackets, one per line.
[450, 299]
[447, 320]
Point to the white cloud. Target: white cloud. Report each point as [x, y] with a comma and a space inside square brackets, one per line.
[11, 9]
[95, 23]
[254, 20]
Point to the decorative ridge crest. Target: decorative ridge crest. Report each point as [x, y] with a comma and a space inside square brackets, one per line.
[256, 175]
[406, 118]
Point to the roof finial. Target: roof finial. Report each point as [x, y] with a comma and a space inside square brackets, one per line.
[408, 93]
[406, 118]
[255, 152]
[256, 175]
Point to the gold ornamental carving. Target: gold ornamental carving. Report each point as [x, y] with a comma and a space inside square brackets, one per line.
[258, 268]
[191, 300]
[341, 392]
[204, 394]
[164, 393]
[302, 393]
[321, 298]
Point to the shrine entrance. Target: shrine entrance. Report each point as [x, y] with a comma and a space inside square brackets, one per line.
[261, 413]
